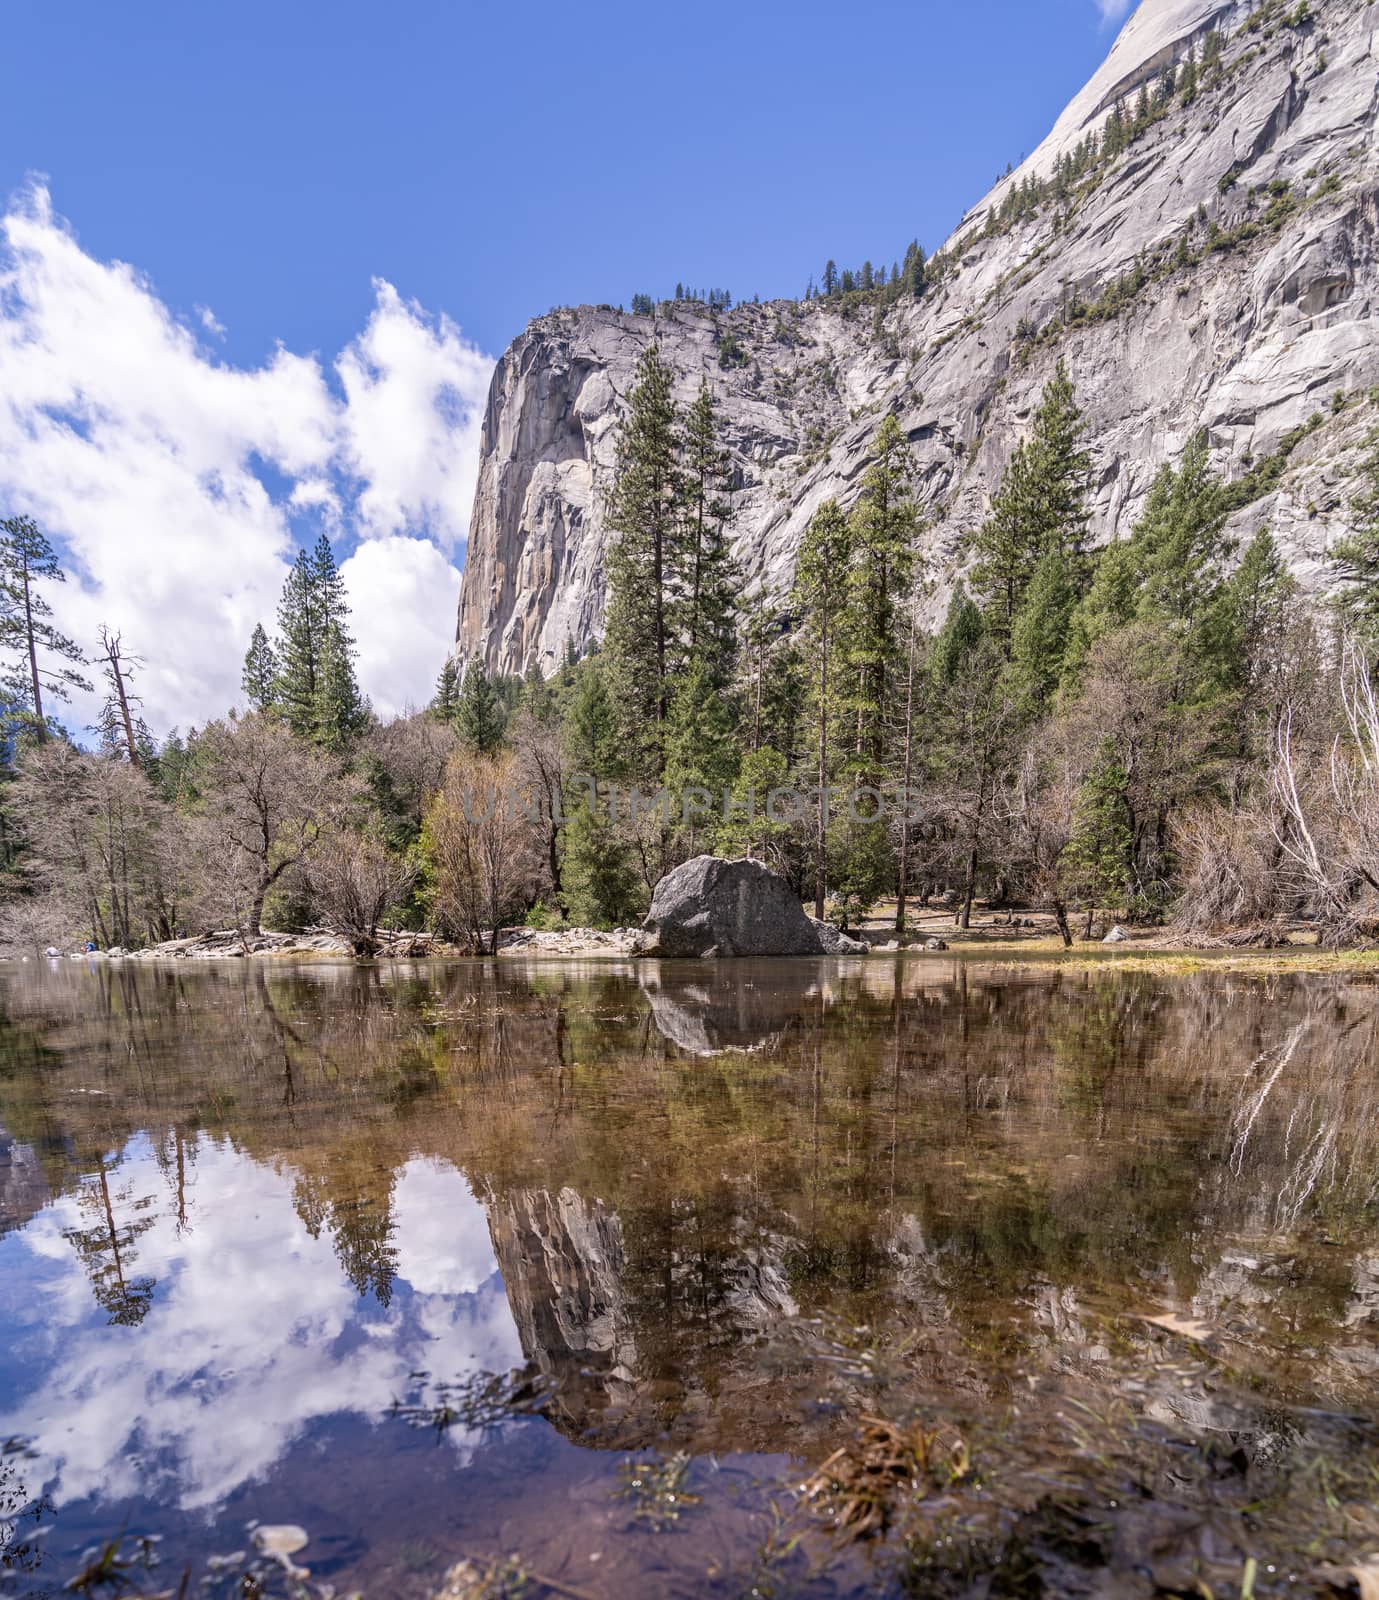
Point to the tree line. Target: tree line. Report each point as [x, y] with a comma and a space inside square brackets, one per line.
[1161, 730]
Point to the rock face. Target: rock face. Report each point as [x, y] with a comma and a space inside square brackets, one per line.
[710, 907]
[1267, 320]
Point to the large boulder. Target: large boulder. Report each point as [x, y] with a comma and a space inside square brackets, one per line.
[710, 907]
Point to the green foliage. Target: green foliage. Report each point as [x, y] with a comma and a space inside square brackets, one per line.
[315, 690]
[39, 659]
[260, 677]
[597, 874]
[643, 514]
[1040, 507]
[706, 581]
[1355, 558]
[446, 700]
[701, 744]
[1098, 860]
[479, 718]
[883, 530]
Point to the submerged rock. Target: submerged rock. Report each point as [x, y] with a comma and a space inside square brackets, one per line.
[712, 907]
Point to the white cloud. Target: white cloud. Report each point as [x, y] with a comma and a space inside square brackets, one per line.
[1113, 10]
[173, 479]
[403, 594]
[192, 1404]
[415, 392]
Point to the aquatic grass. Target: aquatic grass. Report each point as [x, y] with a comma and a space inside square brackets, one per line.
[657, 1488]
[480, 1401]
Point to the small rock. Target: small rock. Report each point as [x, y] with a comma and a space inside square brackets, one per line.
[936, 944]
[1117, 935]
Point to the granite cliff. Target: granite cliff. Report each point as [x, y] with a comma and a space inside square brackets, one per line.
[1219, 273]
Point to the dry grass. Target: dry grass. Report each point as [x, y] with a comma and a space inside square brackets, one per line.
[858, 1489]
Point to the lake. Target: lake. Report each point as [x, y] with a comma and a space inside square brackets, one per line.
[898, 1277]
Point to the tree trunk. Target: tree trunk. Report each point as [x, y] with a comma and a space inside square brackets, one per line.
[969, 890]
[821, 836]
[903, 871]
[41, 727]
[1060, 916]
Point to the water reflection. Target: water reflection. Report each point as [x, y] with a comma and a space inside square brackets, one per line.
[244, 1203]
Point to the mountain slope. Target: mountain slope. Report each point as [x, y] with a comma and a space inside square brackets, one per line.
[1222, 272]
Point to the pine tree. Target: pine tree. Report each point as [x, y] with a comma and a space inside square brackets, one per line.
[316, 689]
[597, 875]
[124, 735]
[595, 745]
[1356, 558]
[1099, 857]
[538, 697]
[707, 579]
[340, 714]
[446, 700]
[301, 627]
[701, 751]
[1039, 637]
[1179, 543]
[831, 277]
[1041, 505]
[642, 515]
[27, 632]
[821, 594]
[259, 680]
[479, 715]
[884, 527]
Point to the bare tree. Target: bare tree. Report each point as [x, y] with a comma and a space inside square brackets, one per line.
[355, 880]
[95, 829]
[1328, 822]
[265, 798]
[539, 749]
[412, 753]
[481, 843]
[1040, 824]
[117, 715]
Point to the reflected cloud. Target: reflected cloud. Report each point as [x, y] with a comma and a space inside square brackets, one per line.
[254, 1333]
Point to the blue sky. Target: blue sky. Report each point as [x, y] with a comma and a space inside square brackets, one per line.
[333, 215]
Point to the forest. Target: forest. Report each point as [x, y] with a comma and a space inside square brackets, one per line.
[1163, 731]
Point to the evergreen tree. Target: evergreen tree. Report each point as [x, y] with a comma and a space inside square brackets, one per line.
[821, 593]
[1355, 558]
[479, 713]
[42, 659]
[316, 689]
[340, 713]
[701, 750]
[1179, 543]
[301, 631]
[597, 875]
[884, 526]
[260, 676]
[707, 579]
[830, 277]
[1039, 638]
[446, 700]
[642, 515]
[594, 742]
[538, 697]
[1041, 505]
[1099, 857]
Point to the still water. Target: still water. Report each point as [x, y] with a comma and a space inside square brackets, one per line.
[776, 1278]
